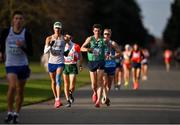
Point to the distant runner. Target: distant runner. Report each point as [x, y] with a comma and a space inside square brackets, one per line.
[136, 58]
[167, 59]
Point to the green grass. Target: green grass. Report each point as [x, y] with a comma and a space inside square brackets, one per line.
[37, 90]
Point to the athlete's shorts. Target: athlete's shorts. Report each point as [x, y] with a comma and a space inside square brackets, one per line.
[53, 67]
[167, 60]
[119, 65]
[110, 70]
[94, 65]
[22, 72]
[136, 65]
[70, 69]
[127, 64]
[144, 62]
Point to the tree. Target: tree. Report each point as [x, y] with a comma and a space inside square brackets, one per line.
[171, 33]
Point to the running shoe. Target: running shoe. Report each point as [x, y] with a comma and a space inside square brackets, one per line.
[126, 84]
[107, 102]
[136, 86]
[144, 78]
[103, 100]
[71, 97]
[94, 97]
[8, 118]
[116, 87]
[15, 119]
[97, 104]
[68, 104]
[57, 103]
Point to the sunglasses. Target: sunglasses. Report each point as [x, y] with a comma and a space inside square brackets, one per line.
[107, 34]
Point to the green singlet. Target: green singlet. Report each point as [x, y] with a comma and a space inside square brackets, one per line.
[98, 49]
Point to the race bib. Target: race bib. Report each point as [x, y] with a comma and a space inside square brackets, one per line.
[14, 50]
[96, 51]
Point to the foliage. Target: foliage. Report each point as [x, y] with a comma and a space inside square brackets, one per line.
[171, 34]
[123, 16]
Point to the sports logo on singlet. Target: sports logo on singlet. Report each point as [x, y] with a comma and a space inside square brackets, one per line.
[12, 47]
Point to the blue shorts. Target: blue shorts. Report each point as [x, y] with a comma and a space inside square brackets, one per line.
[53, 67]
[110, 70]
[22, 72]
[94, 65]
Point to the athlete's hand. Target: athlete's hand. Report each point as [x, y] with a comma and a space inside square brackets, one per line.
[90, 50]
[52, 43]
[19, 43]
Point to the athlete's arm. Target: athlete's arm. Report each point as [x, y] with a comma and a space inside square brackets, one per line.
[84, 47]
[117, 49]
[80, 61]
[28, 49]
[142, 54]
[47, 45]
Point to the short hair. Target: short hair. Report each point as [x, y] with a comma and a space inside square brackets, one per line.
[97, 26]
[17, 12]
[109, 30]
[68, 33]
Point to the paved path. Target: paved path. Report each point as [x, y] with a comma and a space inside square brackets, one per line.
[157, 101]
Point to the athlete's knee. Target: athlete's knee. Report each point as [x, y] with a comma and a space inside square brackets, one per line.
[58, 79]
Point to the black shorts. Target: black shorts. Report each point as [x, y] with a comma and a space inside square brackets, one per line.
[119, 65]
[94, 65]
[136, 65]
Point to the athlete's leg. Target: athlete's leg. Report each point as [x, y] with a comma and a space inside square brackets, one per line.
[145, 71]
[134, 74]
[120, 74]
[20, 94]
[58, 81]
[105, 84]
[93, 77]
[138, 73]
[72, 82]
[53, 83]
[12, 79]
[110, 80]
[100, 84]
[126, 75]
[66, 85]
[116, 76]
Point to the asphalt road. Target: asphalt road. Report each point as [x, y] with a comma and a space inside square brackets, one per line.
[157, 101]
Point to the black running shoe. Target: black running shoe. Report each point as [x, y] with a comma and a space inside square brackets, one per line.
[8, 119]
[68, 104]
[107, 102]
[15, 119]
[71, 97]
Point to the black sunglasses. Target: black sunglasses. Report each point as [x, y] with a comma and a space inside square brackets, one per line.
[106, 33]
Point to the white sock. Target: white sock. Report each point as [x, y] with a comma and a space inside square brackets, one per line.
[119, 83]
[10, 113]
[57, 99]
[15, 113]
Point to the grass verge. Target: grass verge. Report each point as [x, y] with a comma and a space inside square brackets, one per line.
[36, 89]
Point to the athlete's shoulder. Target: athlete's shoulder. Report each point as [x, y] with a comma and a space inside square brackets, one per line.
[88, 39]
[49, 38]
